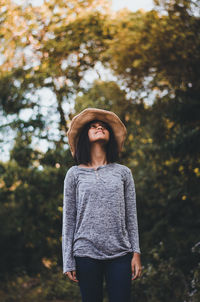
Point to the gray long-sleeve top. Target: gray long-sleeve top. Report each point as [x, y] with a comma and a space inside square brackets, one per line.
[99, 213]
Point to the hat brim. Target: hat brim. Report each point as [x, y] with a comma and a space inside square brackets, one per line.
[90, 114]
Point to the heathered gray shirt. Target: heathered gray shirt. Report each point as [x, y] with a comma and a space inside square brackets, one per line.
[99, 214]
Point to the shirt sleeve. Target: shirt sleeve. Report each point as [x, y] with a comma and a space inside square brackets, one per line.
[131, 212]
[69, 221]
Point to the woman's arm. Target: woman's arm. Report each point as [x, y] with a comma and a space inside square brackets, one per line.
[131, 212]
[69, 221]
[132, 224]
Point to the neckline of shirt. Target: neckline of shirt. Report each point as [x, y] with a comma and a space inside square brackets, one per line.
[93, 169]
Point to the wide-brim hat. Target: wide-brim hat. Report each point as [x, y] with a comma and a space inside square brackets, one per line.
[89, 114]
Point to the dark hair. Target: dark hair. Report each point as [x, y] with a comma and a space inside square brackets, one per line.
[82, 152]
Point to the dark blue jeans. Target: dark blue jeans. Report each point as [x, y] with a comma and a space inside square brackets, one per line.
[90, 274]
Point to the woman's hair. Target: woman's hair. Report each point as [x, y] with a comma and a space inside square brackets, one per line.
[82, 152]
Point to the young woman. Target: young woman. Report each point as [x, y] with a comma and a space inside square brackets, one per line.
[100, 229]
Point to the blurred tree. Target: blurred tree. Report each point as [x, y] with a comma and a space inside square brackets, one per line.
[155, 56]
[159, 51]
[51, 46]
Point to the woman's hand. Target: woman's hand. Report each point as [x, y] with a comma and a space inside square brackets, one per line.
[72, 275]
[136, 266]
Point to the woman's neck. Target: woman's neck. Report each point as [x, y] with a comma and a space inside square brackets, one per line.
[97, 155]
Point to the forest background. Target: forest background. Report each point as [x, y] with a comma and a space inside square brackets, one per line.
[152, 58]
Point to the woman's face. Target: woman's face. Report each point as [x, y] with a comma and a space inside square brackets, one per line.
[98, 132]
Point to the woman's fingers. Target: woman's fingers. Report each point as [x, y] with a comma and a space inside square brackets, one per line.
[140, 272]
[72, 276]
[136, 268]
[133, 271]
[137, 272]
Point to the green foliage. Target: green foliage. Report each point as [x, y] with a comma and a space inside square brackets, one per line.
[104, 95]
[161, 280]
[40, 288]
[31, 210]
[155, 56]
[163, 50]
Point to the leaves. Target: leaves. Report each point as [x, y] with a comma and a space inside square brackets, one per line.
[155, 58]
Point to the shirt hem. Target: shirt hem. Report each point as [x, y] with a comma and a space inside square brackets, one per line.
[102, 257]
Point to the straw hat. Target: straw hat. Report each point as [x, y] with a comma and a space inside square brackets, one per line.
[90, 114]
